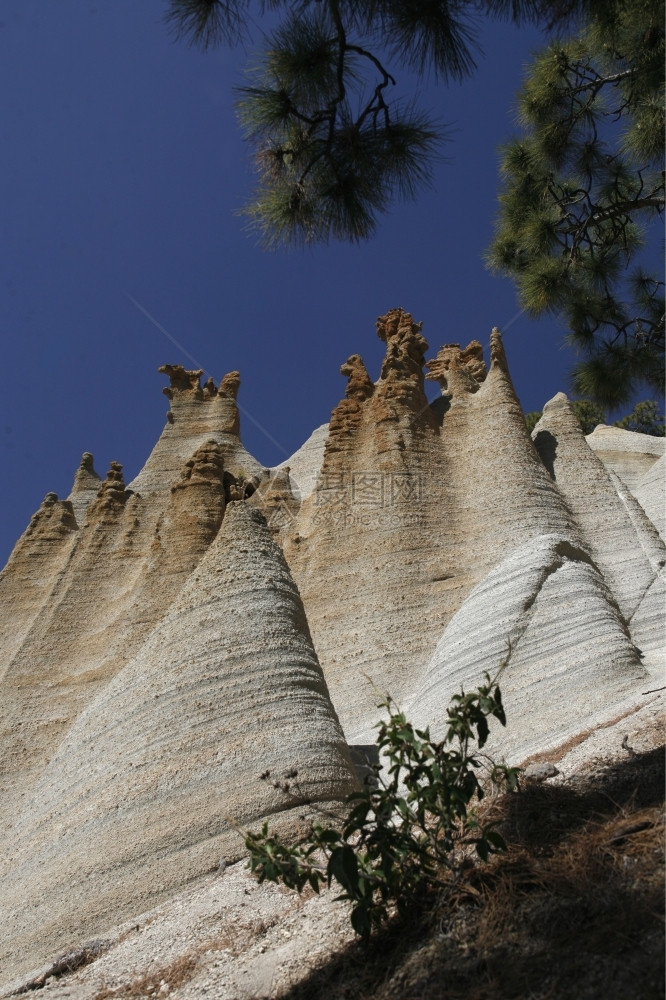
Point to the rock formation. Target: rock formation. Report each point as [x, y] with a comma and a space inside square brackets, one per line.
[304, 464]
[649, 492]
[39, 557]
[84, 488]
[415, 506]
[547, 615]
[189, 425]
[136, 801]
[628, 454]
[156, 658]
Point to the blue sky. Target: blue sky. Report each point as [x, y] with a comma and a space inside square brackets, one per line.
[123, 170]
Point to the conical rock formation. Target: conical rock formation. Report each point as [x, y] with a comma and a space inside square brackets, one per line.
[628, 454]
[137, 800]
[545, 615]
[156, 658]
[85, 487]
[649, 492]
[196, 414]
[101, 584]
[305, 463]
[610, 524]
[414, 505]
[26, 583]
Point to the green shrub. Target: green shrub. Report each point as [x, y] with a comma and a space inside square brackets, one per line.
[410, 826]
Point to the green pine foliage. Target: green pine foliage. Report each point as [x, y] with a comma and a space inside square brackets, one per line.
[332, 145]
[581, 186]
[645, 418]
[532, 419]
[207, 23]
[413, 823]
[325, 170]
[589, 414]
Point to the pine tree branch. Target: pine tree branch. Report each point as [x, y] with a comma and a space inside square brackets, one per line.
[598, 81]
[625, 208]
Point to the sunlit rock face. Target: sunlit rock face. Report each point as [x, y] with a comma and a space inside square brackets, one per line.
[419, 506]
[638, 460]
[100, 584]
[414, 505]
[165, 642]
[144, 789]
[628, 454]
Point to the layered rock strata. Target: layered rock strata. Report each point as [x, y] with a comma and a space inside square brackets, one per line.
[649, 491]
[546, 617]
[628, 454]
[414, 505]
[616, 531]
[304, 464]
[38, 559]
[155, 657]
[144, 790]
[196, 414]
[85, 487]
[79, 597]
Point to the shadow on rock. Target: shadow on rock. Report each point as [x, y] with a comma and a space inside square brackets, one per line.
[574, 908]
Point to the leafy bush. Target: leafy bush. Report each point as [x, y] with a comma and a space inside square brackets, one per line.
[412, 823]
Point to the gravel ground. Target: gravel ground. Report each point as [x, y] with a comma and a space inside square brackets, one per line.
[228, 938]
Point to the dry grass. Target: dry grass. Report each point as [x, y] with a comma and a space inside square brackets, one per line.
[237, 937]
[233, 940]
[173, 975]
[575, 908]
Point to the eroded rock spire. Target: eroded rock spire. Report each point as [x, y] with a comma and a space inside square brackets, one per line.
[182, 380]
[112, 494]
[360, 386]
[405, 345]
[85, 477]
[206, 466]
[230, 384]
[226, 686]
[85, 487]
[458, 369]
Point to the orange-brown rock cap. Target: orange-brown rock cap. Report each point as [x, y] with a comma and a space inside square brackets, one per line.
[182, 380]
[455, 367]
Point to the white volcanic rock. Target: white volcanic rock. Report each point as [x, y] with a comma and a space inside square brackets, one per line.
[120, 575]
[37, 561]
[648, 627]
[304, 464]
[647, 622]
[415, 504]
[618, 534]
[545, 613]
[649, 491]
[628, 454]
[138, 799]
[81, 598]
[154, 653]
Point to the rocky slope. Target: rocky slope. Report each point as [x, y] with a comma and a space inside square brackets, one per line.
[158, 639]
